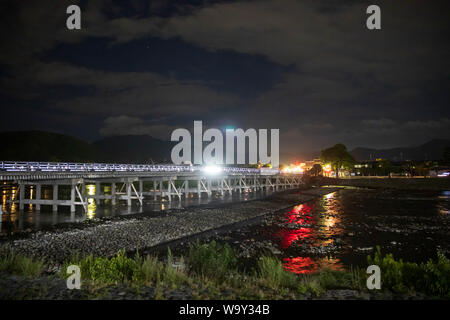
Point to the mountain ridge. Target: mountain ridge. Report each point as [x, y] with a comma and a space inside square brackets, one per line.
[36, 145]
[431, 150]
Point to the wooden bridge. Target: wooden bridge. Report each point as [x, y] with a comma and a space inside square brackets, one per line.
[127, 181]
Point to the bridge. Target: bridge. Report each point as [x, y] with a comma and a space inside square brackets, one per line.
[127, 181]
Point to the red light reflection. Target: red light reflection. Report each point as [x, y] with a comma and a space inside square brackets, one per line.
[304, 265]
[300, 265]
[298, 215]
[289, 236]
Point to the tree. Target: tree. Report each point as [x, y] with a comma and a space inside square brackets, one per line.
[446, 155]
[384, 167]
[409, 167]
[315, 170]
[338, 157]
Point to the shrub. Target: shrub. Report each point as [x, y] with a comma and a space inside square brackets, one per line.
[332, 279]
[436, 277]
[19, 264]
[430, 277]
[211, 260]
[273, 274]
[120, 268]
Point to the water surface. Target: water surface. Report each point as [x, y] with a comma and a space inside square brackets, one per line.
[341, 228]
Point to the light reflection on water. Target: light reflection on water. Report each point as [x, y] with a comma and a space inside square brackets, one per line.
[342, 228]
[305, 228]
[305, 265]
[13, 219]
[445, 196]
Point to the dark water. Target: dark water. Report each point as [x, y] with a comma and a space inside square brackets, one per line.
[341, 228]
[13, 220]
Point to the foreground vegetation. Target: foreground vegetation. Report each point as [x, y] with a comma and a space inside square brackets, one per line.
[431, 277]
[18, 264]
[211, 271]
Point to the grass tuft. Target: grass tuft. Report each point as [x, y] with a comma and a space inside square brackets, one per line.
[18, 264]
[431, 277]
[212, 260]
[122, 269]
[273, 274]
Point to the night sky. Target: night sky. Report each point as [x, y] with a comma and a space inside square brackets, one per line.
[310, 68]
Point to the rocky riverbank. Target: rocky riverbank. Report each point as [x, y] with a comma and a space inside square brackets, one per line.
[108, 237]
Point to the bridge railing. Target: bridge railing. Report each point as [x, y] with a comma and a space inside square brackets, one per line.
[33, 166]
[20, 166]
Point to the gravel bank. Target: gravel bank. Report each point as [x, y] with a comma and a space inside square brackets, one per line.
[142, 232]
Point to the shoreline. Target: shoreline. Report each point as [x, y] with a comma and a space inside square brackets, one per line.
[409, 184]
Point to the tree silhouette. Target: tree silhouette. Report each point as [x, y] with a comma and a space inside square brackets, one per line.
[338, 157]
[446, 155]
[315, 170]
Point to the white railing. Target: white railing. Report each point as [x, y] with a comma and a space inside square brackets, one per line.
[16, 166]
[32, 166]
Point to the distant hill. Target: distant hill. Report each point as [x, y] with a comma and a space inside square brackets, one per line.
[47, 146]
[133, 149]
[44, 146]
[432, 150]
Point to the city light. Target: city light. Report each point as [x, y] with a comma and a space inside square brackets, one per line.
[212, 170]
[294, 168]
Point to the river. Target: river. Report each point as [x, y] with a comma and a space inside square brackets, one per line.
[338, 230]
[14, 220]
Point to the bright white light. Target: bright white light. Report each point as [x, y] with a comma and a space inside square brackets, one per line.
[212, 170]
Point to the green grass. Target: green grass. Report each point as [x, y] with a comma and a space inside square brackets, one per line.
[274, 276]
[135, 271]
[431, 277]
[18, 264]
[210, 271]
[211, 260]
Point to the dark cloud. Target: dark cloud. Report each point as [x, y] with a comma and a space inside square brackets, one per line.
[310, 68]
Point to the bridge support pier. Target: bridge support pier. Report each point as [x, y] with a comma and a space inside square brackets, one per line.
[54, 202]
[38, 197]
[55, 198]
[21, 196]
[130, 186]
[113, 193]
[72, 197]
